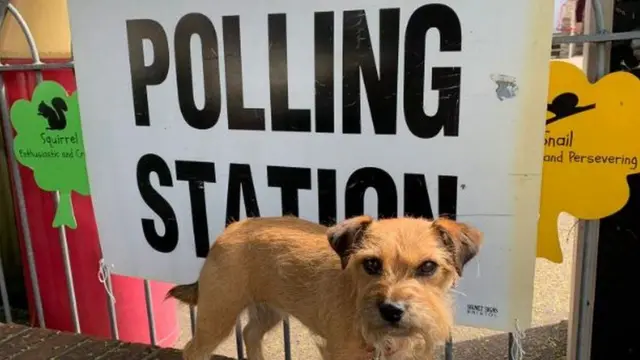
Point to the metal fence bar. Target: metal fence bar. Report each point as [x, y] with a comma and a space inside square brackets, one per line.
[4, 295]
[598, 12]
[286, 329]
[61, 230]
[588, 237]
[448, 349]
[192, 319]
[68, 272]
[113, 320]
[589, 230]
[511, 344]
[150, 317]
[603, 37]
[36, 67]
[239, 347]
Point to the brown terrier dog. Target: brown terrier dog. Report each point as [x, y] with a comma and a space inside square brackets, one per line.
[385, 294]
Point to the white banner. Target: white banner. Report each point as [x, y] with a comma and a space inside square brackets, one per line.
[197, 112]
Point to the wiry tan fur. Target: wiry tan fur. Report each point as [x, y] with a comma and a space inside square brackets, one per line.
[273, 266]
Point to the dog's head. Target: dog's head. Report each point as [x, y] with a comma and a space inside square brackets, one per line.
[402, 270]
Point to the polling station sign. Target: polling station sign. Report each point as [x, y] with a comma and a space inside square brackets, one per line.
[197, 113]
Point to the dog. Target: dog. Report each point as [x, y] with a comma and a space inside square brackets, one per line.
[370, 289]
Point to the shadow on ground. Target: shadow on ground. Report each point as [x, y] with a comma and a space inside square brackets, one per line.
[541, 343]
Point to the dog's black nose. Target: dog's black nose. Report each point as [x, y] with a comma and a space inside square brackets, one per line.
[391, 312]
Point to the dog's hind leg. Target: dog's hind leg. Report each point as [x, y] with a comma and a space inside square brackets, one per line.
[213, 324]
[262, 318]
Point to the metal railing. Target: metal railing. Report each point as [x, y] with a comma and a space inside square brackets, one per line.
[600, 37]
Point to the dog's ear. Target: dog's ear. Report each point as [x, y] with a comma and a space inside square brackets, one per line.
[345, 236]
[461, 240]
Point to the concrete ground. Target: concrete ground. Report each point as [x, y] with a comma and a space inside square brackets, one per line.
[546, 340]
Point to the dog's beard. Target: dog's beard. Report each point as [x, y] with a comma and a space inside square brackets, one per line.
[425, 325]
[402, 343]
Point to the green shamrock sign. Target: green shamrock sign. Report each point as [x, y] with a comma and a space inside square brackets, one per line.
[49, 141]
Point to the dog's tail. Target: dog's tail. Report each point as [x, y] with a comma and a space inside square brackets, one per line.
[187, 294]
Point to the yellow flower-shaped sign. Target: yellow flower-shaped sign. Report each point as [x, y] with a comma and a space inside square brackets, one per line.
[592, 143]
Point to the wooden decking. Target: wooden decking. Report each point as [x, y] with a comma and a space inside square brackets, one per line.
[24, 343]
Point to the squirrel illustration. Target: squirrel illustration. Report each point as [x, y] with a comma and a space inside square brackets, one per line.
[55, 115]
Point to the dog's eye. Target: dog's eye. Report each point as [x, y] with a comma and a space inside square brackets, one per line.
[372, 266]
[427, 268]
